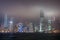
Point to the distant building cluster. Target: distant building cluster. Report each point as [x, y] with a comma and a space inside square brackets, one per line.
[45, 25]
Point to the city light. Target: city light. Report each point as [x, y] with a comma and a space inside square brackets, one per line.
[2, 31]
[11, 22]
[17, 24]
[40, 27]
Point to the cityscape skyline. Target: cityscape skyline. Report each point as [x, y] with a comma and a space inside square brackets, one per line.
[30, 11]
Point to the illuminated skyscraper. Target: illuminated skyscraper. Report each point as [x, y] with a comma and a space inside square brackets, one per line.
[5, 21]
[30, 27]
[49, 24]
[11, 25]
[20, 27]
[41, 21]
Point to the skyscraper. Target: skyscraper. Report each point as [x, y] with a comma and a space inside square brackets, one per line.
[11, 25]
[1, 18]
[30, 27]
[41, 21]
[20, 27]
[5, 21]
[49, 24]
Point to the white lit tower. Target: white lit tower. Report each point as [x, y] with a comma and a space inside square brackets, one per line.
[11, 25]
[49, 24]
[41, 21]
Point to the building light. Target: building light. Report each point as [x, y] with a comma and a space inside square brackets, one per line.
[2, 31]
[40, 27]
[49, 27]
[11, 22]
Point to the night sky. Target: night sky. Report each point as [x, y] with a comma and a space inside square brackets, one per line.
[29, 9]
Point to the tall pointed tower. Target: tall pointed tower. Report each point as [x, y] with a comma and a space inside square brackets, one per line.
[41, 21]
[5, 21]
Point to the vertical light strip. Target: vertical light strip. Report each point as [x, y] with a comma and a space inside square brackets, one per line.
[40, 27]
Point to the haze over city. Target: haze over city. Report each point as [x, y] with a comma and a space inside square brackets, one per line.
[29, 10]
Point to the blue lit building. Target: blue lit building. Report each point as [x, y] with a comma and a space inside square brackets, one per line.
[20, 27]
[5, 21]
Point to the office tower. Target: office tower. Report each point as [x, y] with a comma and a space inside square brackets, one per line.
[41, 21]
[28, 28]
[36, 28]
[20, 27]
[5, 21]
[31, 27]
[1, 19]
[49, 24]
[11, 25]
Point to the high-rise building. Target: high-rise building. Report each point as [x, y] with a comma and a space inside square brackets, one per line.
[11, 25]
[20, 27]
[5, 21]
[31, 27]
[41, 21]
[49, 24]
[1, 19]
